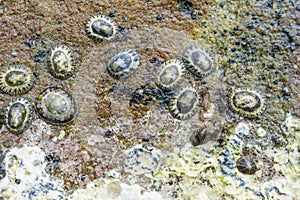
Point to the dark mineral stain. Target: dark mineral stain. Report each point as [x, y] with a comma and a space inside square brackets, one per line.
[146, 94]
[52, 163]
[2, 167]
[39, 56]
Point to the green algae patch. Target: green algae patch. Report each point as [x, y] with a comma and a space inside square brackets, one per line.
[254, 44]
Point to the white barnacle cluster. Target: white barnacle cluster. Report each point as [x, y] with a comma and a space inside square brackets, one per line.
[210, 174]
[26, 177]
[107, 189]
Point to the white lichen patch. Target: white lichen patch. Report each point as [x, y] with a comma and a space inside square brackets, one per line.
[142, 159]
[26, 177]
[113, 190]
[242, 129]
[291, 126]
[261, 132]
[213, 174]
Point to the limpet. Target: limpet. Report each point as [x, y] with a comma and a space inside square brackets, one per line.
[16, 79]
[18, 115]
[170, 74]
[185, 103]
[198, 61]
[123, 63]
[56, 106]
[101, 27]
[246, 165]
[62, 64]
[246, 102]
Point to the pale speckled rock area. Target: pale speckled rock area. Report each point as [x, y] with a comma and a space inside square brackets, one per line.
[254, 44]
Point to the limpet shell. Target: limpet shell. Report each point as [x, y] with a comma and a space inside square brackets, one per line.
[56, 106]
[16, 79]
[123, 63]
[101, 27]
[246, 165]
[246, 102]
[198, 61]
[170, 74]
[18, 115]
[185, 103]
[62, 64]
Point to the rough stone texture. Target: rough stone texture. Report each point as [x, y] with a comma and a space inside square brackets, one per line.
[254, 44]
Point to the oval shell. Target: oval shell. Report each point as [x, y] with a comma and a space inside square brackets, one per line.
[185, 103]
[18, 115]
[123, 63]
[101, 27]
[198, 61]
[246, 165]
[170, 74]
[246, 102]
[16, 79]
[56, 105]
[62, 64]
